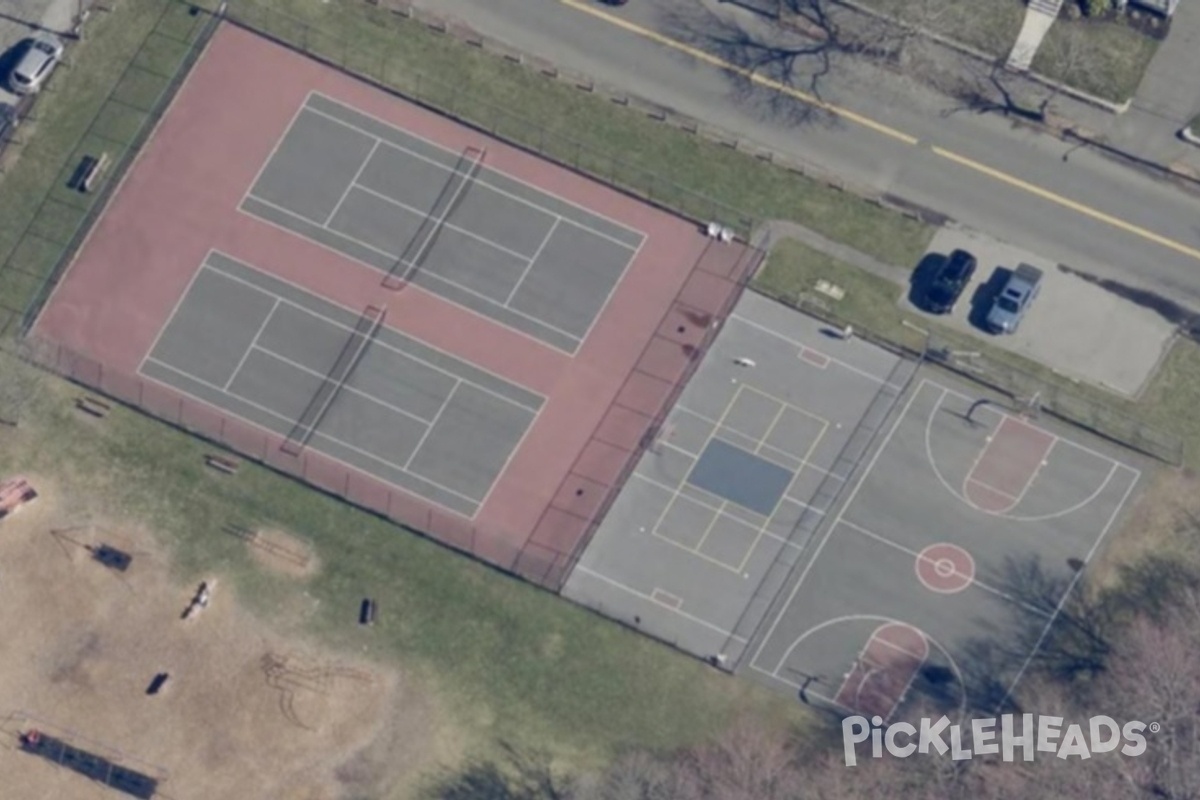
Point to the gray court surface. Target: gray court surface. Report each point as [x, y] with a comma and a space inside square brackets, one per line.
[258, 348]
[914, 497]
[832, 492]
[399, 203]
[737, 484]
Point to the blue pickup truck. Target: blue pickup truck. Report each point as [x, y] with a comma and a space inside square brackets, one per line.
[1018, 294]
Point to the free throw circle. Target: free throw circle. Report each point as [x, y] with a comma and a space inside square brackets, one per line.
[945, 568]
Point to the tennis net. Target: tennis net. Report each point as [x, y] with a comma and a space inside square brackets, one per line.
[365, 330]
[410, 260]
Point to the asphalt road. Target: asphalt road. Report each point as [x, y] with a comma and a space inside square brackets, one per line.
[1068, 204]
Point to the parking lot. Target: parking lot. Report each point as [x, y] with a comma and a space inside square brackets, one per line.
[1073, 327]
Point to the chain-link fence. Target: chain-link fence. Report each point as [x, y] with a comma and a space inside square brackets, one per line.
[1026, 391]
[66, 212]
[465, 103]
[1033, 393]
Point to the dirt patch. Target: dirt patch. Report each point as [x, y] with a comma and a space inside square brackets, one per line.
[281, 552]
[1154, 526]
[245, 711]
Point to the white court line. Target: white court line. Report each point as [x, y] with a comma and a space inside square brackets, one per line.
[385, 345]
[537, 416]
[317, 434]
[1068, 442]
[932, 416]
[358, 313]
[345, 388]
[1067, 593]
[432, 423]
[275, 148]
[537, 413]
[991, 440]
[445, 224]
[916, 555]
[441, 220]
[536, 254]
[795, 343]
[667, 599]
[174, 310]
[829, 531]
[312, 242]
[349, 186]
[449, 151]
[426, 274]
[253, 343]
[642, 595]
[612, 290]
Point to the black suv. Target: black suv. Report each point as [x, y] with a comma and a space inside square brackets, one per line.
[948, 283]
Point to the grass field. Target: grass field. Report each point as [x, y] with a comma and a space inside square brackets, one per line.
[510, 663]
[99, 103]
[1106, 58]
[621, 145]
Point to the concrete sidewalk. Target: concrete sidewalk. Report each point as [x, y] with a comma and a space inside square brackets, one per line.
[1167, 99]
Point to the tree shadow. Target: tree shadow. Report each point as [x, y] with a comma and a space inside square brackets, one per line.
[517, 775]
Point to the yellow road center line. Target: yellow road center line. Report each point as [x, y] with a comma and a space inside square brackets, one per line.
[878, 127]
[744, 72]
[1066, 202]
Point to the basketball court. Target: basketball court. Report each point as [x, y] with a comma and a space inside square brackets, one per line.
[850, 526]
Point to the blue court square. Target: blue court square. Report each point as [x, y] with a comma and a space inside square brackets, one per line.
[740, 477]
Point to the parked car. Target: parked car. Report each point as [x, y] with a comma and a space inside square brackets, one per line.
[37, 61]
[1018, 294]
[948, 283]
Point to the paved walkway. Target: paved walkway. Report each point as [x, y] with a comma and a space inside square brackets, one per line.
[1039, 16]
[1168, 97]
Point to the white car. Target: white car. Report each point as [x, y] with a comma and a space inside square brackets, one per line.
[42, 52]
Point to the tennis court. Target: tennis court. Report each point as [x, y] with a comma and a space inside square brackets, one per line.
[278, 356]
[444, 220]
[395, 308]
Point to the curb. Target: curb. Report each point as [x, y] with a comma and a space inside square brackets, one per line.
[953, 44]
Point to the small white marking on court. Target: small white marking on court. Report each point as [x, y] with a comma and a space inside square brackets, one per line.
[667, 599]
[690, 617]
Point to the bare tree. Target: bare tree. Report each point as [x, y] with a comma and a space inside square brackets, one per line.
[804, 44]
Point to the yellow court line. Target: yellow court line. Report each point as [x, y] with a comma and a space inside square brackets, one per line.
[749, 74]
[1066, 202]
